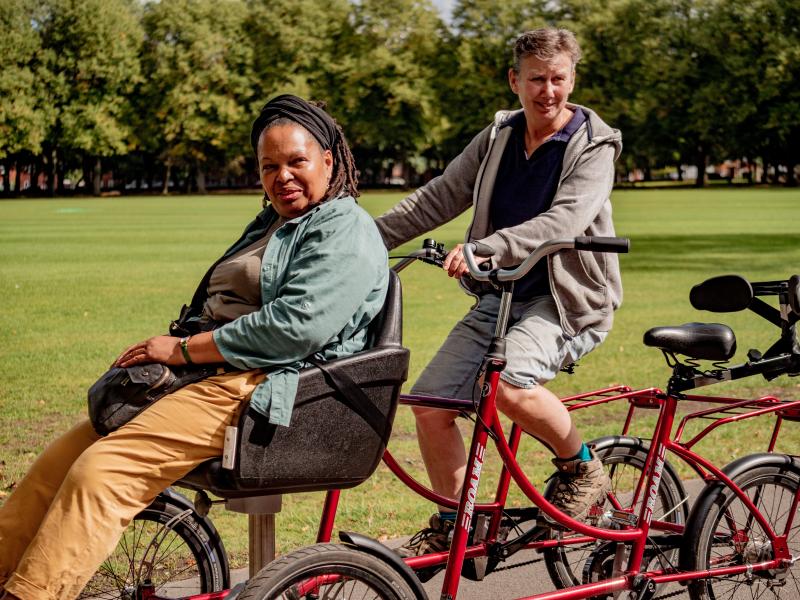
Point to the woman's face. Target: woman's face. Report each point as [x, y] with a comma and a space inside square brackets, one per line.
[543, 87]
[295, 171]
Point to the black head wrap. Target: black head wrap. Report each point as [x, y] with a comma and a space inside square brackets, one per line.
[318, 123]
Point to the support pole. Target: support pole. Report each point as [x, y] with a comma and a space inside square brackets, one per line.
[261, 511]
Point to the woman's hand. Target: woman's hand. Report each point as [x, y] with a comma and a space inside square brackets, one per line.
[455, 264]
[166, 350]
[163, 349]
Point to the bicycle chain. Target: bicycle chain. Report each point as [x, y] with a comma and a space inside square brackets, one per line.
[516, 565]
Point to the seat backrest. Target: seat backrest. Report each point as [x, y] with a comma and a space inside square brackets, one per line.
[386, 329]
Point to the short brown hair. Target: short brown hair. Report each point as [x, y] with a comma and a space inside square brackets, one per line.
[544, 44]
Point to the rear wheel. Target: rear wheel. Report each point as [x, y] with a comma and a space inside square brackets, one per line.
[169, 545]
[729, 536]
[327, 571]
[569, 564]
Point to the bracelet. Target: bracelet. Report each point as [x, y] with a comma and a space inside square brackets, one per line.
[185, 350]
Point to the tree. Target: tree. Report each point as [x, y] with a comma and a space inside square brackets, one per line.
[24, 114]
[199, 85]
[380, 81]
[621, 72]
[91, 53]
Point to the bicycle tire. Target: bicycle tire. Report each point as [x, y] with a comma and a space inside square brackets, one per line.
[170, 545]
[626, 459]
[353, 574]
[772, 487]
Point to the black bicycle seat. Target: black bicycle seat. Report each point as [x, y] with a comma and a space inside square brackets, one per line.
[705, 341]
[724, 293]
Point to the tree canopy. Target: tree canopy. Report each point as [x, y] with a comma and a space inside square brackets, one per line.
[161, 91]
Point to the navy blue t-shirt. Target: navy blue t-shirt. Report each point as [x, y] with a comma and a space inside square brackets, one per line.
[525, 188]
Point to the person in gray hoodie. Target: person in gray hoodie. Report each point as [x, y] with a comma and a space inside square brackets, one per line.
[539, 173]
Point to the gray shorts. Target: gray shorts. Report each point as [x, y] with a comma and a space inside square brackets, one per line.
[536, 348]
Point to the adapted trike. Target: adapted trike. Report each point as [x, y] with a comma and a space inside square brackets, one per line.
[638, 541]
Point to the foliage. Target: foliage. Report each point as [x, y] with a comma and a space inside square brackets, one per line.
[379, 82]
[689, 80]
[24, 115]
[175, 83]
[91, 54]
[198, 89]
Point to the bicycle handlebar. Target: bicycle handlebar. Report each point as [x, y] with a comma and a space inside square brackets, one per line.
[585, 243]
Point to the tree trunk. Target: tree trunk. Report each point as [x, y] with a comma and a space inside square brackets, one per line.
[701, 168]
[680, 172]
[167, 175]
[60, 174]
[6, 174]
[648, 173]
[200, 180]
[790, 179]
[51, 173]
[97, 177]
[18, 179]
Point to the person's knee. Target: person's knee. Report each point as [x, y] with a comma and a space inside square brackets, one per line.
[433, 419]
[513, 400]
[510, 398]
[90, 471]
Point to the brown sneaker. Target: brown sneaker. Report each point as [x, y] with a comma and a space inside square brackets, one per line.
[434, 538]
[579, 485]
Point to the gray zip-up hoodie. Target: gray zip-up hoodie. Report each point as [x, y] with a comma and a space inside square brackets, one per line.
[586, 285]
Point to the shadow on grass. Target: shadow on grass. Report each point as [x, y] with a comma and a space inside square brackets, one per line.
[713, 254]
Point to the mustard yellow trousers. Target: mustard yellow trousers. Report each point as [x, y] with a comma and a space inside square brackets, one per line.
[68, 513]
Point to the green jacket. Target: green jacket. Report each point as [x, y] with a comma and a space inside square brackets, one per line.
[324, 277]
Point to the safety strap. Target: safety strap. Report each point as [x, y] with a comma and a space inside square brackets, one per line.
[353, 396]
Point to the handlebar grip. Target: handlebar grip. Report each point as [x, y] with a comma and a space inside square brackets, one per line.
[603, 244]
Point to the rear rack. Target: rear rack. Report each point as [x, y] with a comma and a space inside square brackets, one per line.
[724, 410]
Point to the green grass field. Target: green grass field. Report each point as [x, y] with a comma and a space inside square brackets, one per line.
[83, 278]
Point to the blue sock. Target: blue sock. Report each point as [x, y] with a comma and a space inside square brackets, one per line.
[447, 515]
[583, 454]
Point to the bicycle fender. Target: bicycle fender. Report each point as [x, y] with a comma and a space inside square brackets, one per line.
[205, 522]
[628, 441]
[710, 492]
[378, 550]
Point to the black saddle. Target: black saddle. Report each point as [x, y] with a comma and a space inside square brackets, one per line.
[328, 444]
[705, 341]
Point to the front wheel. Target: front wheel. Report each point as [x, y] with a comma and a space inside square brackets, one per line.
[327, 571]
[168, 545]
[728, 535]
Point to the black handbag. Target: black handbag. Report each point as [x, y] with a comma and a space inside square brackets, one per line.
[122, 393]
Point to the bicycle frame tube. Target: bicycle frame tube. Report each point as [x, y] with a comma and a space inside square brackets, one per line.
[328, 516]
[486, 416]
[691, 457]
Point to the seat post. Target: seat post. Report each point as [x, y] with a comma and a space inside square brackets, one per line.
[261, 511]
